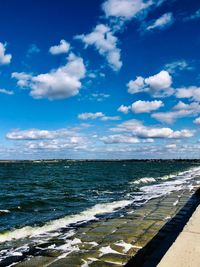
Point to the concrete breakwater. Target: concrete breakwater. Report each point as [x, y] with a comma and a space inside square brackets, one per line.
[114, 241]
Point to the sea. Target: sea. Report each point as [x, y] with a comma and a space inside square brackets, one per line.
[38, 199]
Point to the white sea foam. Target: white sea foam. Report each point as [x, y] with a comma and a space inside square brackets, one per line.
[71, 245]
[87, 215]
[4, 211]
[182, 181]
[175, 203]
[144, 180]
[169, 176]
[107, 250]
[126, 246]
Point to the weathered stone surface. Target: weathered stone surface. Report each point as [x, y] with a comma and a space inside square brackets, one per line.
[103, 230]
[103, 264]
[51, 253]
[115, 258]
[68, 261]
[38, 261]
[90, 254]
[117, 248]
[90, 237]
[137, 228]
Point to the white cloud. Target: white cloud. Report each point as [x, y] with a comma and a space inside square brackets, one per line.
[110, 118]
[72, 143]
[58, 83]
[162, 22]
[158, 85]
[136, 86]
[192, 92]
[180, 110]
[119, 138]
[171, 146]
[124, 9]
[7, 92]
[62, 48]
[96, 115]
[146, 106]
[99, 96]
[179, 65]
[160, 81]
[36, 134]
[197, 121]
[22, 78]
[36, 140]
[90, 115]
[137, 129]
[4, 58]
[194, 16]
[169, 117]
[105, 43]
[124, 109]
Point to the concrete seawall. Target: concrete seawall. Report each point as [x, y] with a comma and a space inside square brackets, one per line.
[177, 244]
[185, 251]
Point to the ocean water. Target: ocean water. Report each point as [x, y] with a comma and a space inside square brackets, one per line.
[37, 199]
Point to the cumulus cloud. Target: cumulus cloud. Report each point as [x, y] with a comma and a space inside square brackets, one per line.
[22, 78]
[90, 115]
[146, 106]
[138, 129]
[162, 80]
[125, 9]
[105, 43]
[180, 110]
[62, 48]
[197, 121]
[37, 134]
[119, 138]
[110, 118]
[7, 92]
[124, 109]
[59, 83]
[171, 116]
[4, 58]
[96, 115]
[37, 140]
[162, 22]
[192, 92]
[136, 86]
[72, 143]
[158, 85]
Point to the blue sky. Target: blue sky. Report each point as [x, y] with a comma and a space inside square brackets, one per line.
[99, 79]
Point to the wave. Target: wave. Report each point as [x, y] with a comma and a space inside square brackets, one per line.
[146, 193]
[84, 216]
[182, 181]
[162, 187]
[144, 180]
[4, 211]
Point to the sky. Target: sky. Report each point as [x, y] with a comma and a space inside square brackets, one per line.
[110, 79]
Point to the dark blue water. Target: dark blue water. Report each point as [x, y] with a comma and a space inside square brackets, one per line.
[34, 193]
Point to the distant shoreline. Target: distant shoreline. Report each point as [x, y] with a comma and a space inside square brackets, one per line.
[98, 160]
